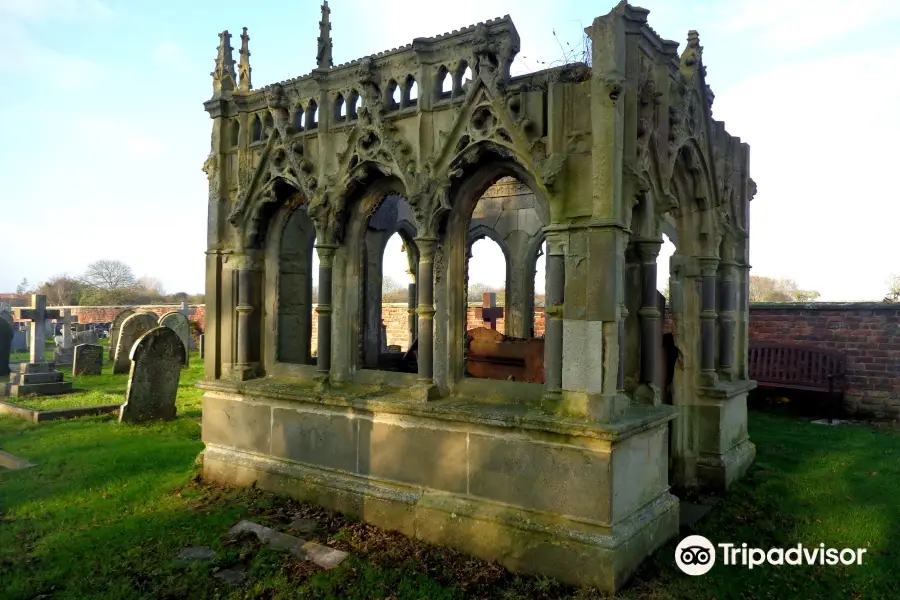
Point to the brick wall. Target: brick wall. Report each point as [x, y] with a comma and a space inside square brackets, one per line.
[869, 333]
[105, 314]
[396, 322]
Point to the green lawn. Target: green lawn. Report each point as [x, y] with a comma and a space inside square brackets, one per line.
[108, 507]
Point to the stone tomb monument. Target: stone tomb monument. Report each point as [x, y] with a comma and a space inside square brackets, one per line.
[38, 376]
[114, 331]
[88, 359]
[156, 362]
[133, 327]
[571, 477]
[179, 323]
[65, 351]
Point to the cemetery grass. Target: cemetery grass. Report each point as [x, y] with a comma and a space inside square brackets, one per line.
[108, 508]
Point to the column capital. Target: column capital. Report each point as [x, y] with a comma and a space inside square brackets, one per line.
[647, 249]
[556, 243]
[246, 260]
[326, 254]
[427, 246]
[709, 266]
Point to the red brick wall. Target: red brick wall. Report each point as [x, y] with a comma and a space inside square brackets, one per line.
[869, 333]
[106, 314]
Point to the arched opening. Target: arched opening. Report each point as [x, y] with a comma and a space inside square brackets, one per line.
[296, 281]
[445, 83]
[463, 75]
[312, 115]
[234, 132]
[390, 261]
[393, 95]
[257, 131]
[353, 105]
[299, 119]
[538, 319]
[411, 90]
[340, 108]
[506, 249]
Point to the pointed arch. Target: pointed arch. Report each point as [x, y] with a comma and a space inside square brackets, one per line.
[256, 130]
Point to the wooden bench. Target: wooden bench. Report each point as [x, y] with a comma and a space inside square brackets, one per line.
[799, 367]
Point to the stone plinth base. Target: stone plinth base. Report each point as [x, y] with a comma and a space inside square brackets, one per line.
[41, 379]
[719, 451]
[64, 356]
[582, 502]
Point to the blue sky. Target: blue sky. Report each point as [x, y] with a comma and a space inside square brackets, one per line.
[104, 130]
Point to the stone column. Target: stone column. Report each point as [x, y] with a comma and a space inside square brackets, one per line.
[620, 374]
[708, 271]
[412, 318]
[650, 317]
[323, 308]
[425, 288]
[247, 271]
[555, 285]
[727, 308]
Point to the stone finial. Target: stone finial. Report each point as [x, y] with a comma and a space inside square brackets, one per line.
[244, 69]
[223, 75]
[323, 56]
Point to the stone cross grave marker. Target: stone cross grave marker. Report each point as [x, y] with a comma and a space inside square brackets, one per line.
[6, 339]
[114, 331]
[178, 322]
[490, 312]
[39, 316]
[156, 361]
[88, 359]
[64, 354]
[132, 328]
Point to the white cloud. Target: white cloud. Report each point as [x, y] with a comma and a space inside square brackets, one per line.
[116, 136]
[804, 23]
[822, 153]
[170, 55]
[41, 10]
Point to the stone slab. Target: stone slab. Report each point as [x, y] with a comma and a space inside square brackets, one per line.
[38, 367]
[39, 416]
[201, 554]
[13, 463]
[31, 378]
[39, 389]
[323, 556]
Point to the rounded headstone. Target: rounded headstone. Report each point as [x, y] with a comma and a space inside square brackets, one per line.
[180, 324]
[115, 329]
[156, 360]
[132, 328]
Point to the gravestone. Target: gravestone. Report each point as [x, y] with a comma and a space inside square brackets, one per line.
[156, 361]
[490, 312]
[19, 341]
[6, 339]
[88, 359]
[65, 352]
[87, 336]
[202, 348]
[178, 322]
[132, 328]
[79, 327]
[38, 376]
[114, 331]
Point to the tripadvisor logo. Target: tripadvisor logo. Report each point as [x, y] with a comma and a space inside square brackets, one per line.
[696, 555]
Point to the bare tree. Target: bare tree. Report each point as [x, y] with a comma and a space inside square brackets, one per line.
[23, 287]
[769, 289]
[393, 290]
[61, 290]
[109, 275]
[151, 285]
[893, 294]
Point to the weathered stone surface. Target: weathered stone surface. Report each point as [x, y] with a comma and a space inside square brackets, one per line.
[325, 557]
[156, 360]
[6, 340]
[63, 355]
[88, 359]
[87, 336]
[202, 554]
[133, 327]
[115, 330]
[302, 525]
[235, 575]
[179, 323]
